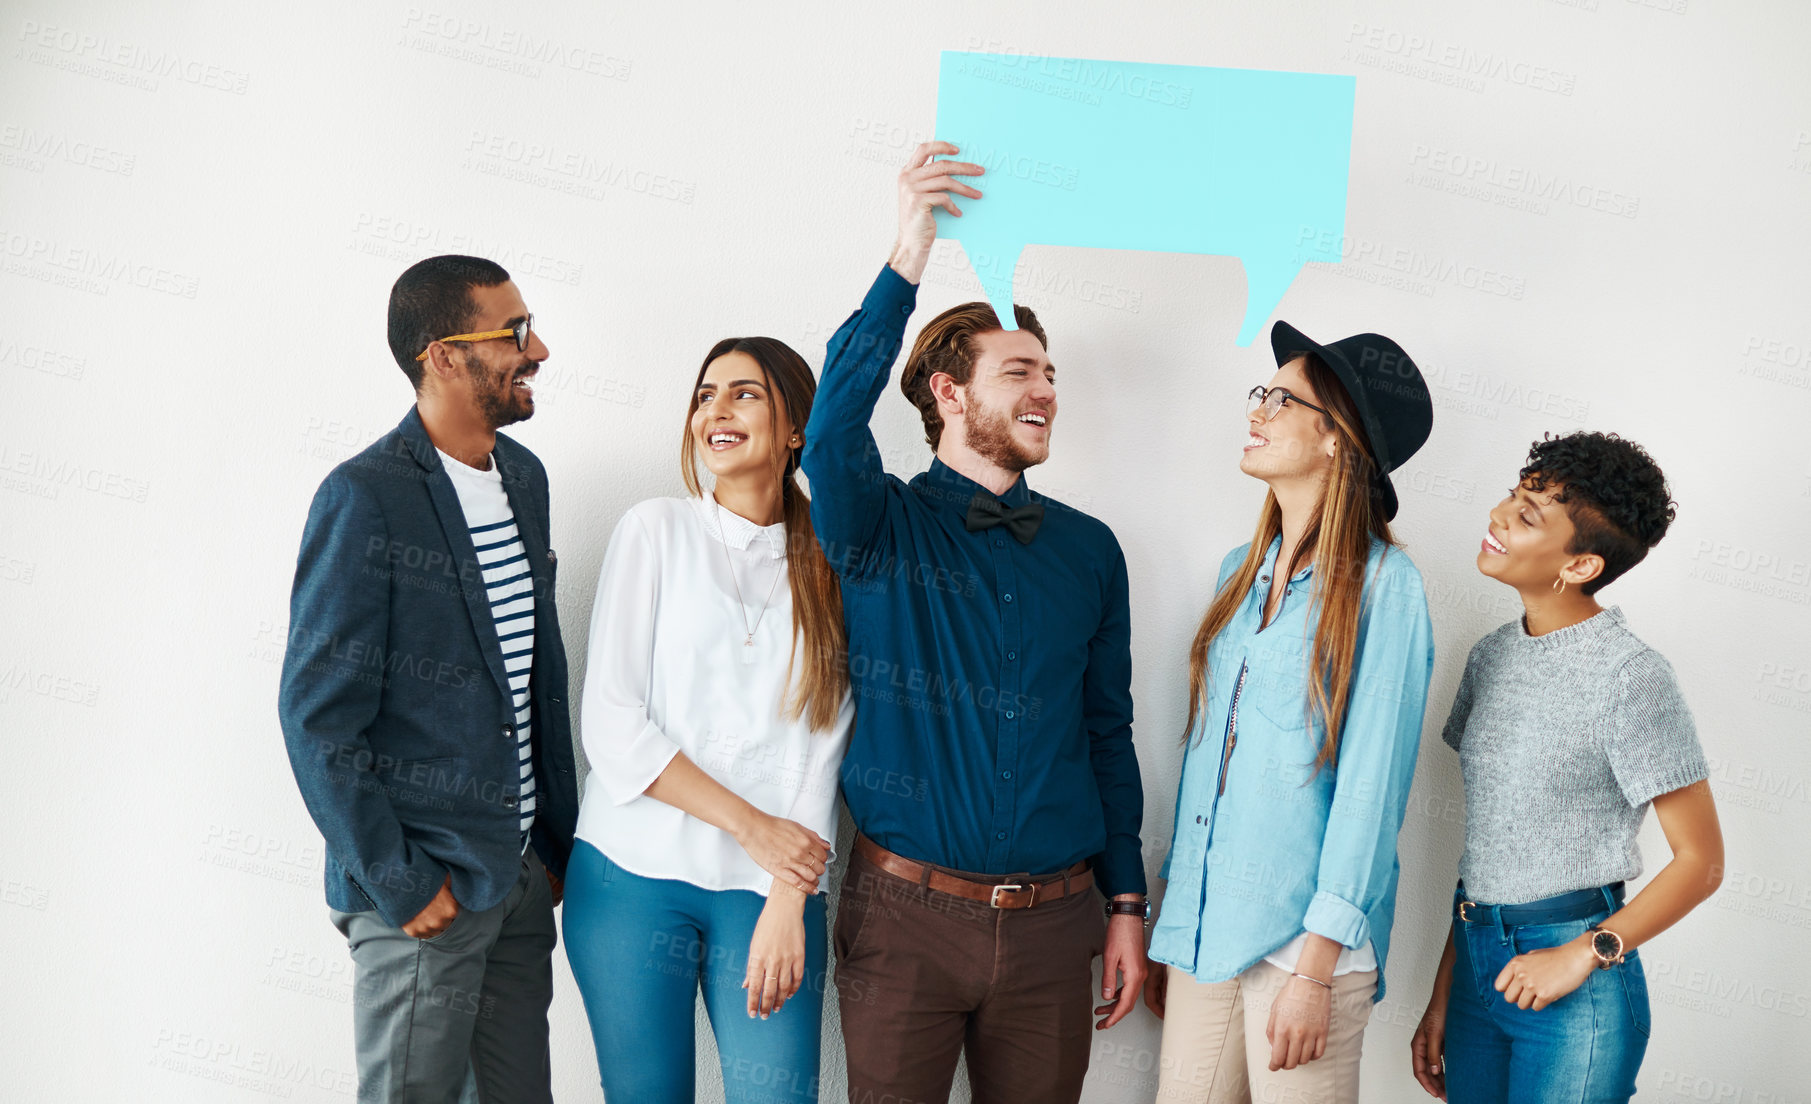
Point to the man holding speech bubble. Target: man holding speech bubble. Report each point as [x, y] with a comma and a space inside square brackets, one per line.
[991, 772]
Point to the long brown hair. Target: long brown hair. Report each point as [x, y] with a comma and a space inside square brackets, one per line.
[817, 600]
[1348, 514]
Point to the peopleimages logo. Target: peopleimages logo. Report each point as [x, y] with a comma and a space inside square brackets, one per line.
[1415, 267]
[1425, 56]
[508, 43]
[1472, 175]
[560, 168]
[125, 62]
[87, 269]
[31, 145]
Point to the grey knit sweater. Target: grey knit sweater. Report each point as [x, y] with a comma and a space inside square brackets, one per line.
[1563, 740]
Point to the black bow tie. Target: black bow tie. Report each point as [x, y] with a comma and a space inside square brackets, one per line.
[985, 511]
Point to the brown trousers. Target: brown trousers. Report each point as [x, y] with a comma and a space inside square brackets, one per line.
[923, 977]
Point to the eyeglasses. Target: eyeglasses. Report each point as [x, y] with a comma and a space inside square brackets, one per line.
[519, 331]
[1267, 402]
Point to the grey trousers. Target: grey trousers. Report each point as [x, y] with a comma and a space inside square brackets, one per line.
[462, 1015]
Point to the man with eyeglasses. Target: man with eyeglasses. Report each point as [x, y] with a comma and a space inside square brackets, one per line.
[423, 702]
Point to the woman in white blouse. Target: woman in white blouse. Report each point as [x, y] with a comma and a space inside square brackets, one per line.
[715, 715]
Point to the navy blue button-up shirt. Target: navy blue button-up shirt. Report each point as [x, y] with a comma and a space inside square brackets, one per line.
[992, 679]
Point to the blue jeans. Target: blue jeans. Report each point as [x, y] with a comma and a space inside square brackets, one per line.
[1584, 1048]
[641, 947]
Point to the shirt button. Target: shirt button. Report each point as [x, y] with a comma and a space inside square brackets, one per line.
[509, 731]
[998, 543]
[1198, 820]
[999, 835]
[1009, 714]
[1006, 775]
[1006, 597]
[1012, 655]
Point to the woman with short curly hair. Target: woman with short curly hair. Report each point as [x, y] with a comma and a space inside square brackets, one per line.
[1567, 728]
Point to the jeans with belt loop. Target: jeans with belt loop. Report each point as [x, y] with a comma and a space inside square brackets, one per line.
[1584, 1048]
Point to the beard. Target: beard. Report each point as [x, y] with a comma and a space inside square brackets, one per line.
[498, 401]
[989, 433]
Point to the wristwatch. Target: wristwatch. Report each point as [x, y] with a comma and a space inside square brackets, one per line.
[1607, 946]
[1140, 908]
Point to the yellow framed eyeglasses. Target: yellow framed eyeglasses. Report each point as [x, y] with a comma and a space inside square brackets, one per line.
[519, 331]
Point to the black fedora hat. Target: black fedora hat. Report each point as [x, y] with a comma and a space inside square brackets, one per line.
[1394, 406]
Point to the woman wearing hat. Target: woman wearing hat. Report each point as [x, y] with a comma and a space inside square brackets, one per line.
[1307, 682]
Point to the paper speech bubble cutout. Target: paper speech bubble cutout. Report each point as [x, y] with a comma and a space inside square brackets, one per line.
[1170, 158]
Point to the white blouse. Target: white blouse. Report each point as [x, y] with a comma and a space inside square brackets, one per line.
[668, 672]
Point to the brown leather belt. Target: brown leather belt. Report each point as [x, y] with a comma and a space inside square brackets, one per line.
[1013, 891]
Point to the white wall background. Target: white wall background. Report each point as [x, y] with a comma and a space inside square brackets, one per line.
[1572, 212]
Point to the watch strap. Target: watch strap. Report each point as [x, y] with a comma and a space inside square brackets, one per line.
[1140, 908]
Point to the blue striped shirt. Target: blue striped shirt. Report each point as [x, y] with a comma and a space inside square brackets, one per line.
[509, 587]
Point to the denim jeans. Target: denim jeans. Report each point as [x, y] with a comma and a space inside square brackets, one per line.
[641, 948]
[1584, 1048]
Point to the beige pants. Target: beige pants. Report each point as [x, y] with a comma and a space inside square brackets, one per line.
[1215, 1052]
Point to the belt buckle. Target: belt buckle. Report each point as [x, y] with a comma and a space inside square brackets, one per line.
[1463, 905]
[993, 898]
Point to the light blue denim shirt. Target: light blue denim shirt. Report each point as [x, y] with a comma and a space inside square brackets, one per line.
[1277, 848]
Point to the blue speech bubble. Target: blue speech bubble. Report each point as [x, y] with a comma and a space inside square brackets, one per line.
[1125, 155]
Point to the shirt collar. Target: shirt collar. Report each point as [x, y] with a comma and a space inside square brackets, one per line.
[1270, 561]
[737, 531]
[944, 484]
[1276, 549]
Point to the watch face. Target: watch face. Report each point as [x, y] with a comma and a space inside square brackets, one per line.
[1606, 944]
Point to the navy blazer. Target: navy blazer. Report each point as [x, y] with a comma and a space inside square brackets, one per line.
[394, 702]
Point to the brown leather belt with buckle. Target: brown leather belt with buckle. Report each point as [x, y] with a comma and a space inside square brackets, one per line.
[1015, 891]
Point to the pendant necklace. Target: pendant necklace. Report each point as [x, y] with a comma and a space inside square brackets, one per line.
[748, 630]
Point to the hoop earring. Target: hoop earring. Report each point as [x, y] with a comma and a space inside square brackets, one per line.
[1560, 585]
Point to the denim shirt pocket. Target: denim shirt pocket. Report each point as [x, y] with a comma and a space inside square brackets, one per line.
[1275, 715]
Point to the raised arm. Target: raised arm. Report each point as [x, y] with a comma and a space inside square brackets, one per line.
[848, 481]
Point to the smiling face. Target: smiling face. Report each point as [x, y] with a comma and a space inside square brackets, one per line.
[1526, 542]
[1010, 403]
[739, 423]
[1296, 444]
[498, 379]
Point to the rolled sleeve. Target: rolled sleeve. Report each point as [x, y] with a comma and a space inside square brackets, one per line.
[1379, 743]
[1338, 919]
[627, 747]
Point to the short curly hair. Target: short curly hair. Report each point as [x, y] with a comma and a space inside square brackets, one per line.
[1613, 491]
